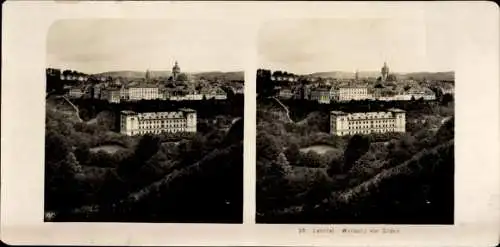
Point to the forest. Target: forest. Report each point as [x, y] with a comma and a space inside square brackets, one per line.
[162, 178]
[404, 178]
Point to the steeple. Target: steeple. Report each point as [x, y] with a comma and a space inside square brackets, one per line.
[176, 70]
[356, 75]
[385, 71]
[148, 76]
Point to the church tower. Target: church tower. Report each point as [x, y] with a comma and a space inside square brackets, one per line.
[148, 75]
[176, 70]
[385, 72]
[356, 75]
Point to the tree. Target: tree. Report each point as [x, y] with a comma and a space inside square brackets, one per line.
[446, 131]
[56, 146]
[62, 191]
[82, 153]
[318, 188]
[357, 146]
[102, 159]
[447, 98]
[335, 166]
[267, 146]
[147, 147]
[310, 159]
[277, 73]
[282, 162]
[293, 153]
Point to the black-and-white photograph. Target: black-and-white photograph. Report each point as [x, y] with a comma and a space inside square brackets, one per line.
[355, 122]
[144, 121]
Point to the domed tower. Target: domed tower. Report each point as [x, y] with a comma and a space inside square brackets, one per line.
[176, 70]
[385, 72]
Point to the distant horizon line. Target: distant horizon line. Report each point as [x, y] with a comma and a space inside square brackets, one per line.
[143, 71]
[364, 71]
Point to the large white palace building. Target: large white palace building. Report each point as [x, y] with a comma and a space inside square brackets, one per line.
[133, 123]
[342, 123]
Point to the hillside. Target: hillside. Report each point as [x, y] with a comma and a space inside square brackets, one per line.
[346, 74]
[150, 178]
[447, 75]
[383, 179]
[418, 191]
[237, 75]
[177, 197]
[134, 74]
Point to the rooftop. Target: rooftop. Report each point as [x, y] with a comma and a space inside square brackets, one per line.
[396, 110]
[126, 112]
[187, 110]
[143, 86]
[359, 114]
[338, 113]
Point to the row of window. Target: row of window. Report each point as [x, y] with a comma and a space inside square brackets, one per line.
[371, 121]
[366, 131]
[157, 131]
[144, 90]
[352, 92]
[375, 126]
[162, 126]
[151, 122]
[369, 118]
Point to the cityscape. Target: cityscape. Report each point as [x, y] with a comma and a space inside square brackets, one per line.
[140, 146]
[372, 146]
[252, 123]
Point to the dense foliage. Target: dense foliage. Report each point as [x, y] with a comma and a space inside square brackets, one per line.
[95, 174]
[404, 178]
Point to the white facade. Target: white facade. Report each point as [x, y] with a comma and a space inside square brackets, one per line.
[285, 93]
[408, 97]
[76, 92]
[194, 96]
[143, 93]
[132, 123]
[190, 96]
[349, 93]
[214, 93]
[342, 123]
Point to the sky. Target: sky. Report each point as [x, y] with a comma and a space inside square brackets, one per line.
[321, 45]
[100, 45]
